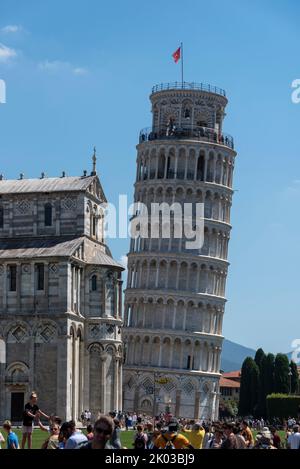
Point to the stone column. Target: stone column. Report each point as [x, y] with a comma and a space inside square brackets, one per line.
[18, 282]
[72, 287]
[176, 162]
[205, 168]
[157, 275]
[222, 171]
[184, 318]
[136, 399]
[46, 282]
[177, 276]
[171, 353]
[86, 379]
[197, 405]
[214, 169]
[64, 370]
[103, 409]
[120, 385]
[74, 378]
[57, 216]
[78, 288]
[174, 316]
[81, 376]
[119, 314]
[116, 384]
[4, 284]
[35, 217]
[160, 353]
[198, 278]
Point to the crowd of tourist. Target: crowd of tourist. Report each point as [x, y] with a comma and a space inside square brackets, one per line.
[162, 432]
[159, 433]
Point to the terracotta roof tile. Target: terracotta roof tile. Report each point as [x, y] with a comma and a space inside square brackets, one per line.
[228, 383]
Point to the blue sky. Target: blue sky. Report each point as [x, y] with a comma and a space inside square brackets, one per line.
[79, 73]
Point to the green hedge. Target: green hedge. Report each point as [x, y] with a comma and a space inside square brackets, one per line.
[283, 405]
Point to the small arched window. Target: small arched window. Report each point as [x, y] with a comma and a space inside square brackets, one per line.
[1, 217]
[48, 214]
[94, 226]
[94, 282]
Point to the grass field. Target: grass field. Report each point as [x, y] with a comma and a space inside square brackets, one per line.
[126, 438]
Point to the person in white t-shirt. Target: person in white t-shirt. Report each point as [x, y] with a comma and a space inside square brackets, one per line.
[293, 441]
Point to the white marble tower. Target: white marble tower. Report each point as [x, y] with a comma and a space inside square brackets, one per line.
[175, 297]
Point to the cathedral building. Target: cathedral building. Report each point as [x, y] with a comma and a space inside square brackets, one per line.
[60, 298]
[175, 296]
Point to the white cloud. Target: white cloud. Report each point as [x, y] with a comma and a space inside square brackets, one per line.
[52, 66]
[79, 71]
[11, 28]
[56, 66]
[293, 189]
[123, 261]
[6, 53]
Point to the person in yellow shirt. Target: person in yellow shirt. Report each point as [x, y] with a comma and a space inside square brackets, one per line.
[196, 435]
[247, 434]
[172, 439]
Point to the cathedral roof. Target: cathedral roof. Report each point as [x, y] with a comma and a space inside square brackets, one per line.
[27, 248]
[59, 184]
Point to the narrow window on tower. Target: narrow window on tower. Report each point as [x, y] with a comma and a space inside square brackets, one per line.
[48, 214]
[94, 282]
[40, 272]
[12, 278]
[188, 362]
[1, 217]
[94, 226]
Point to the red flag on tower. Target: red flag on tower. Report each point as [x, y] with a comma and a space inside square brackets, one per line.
[176, 55]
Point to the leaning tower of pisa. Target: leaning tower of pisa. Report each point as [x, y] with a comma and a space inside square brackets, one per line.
[175, 296]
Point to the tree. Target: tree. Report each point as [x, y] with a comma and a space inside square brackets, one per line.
[259, 360]
[266, 382]
[268, 368]
[294, 377]
[281, 374]
[249, 388]
[259, 357]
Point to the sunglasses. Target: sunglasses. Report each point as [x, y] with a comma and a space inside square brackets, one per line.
[102, 430]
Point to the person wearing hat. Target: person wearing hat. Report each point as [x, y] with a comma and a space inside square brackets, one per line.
[196, 435]
[172, 439]
[264, 440]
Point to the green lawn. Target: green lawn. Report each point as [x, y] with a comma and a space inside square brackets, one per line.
[39, 437]
[126, 437]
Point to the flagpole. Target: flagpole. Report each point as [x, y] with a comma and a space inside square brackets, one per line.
[181, 46]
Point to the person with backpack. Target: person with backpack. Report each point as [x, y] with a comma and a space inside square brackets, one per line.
[171, 439]
[140, 439]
